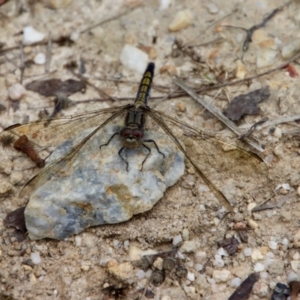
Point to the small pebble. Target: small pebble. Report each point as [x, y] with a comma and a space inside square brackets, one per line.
[35, 257]
[78, 241]
[247, 252]
[259, 267]
[189, 246]
[74, 36]
[291, 49]
[140, 274]
[218, 262]
[277, 133]
[222, 252]
[164, 4]
[256, 255]
[5, 188]
[297, 239]
[296, 256]
[286, 216]
[235, 282]
[134, 58]
[200, 256]
[181, 20]
[295, 265]
[185, 234]
[251, 205]
[252, 223]
[16, 178]
[292, 277]
[16, 91]
[266, 58]
[273, 245]
[221, 275]
[31, 36]
[212, 8]
[177, 240]
[190, 276]
[261, 289]
[40, 59]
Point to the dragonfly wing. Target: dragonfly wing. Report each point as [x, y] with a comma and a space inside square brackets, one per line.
[52, 132]
[59, 163]
[214, 159]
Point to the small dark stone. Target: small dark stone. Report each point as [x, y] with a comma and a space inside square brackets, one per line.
[281, 292]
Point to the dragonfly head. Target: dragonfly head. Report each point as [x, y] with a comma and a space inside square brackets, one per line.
[131, 137]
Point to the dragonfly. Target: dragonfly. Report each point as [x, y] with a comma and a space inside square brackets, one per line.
[210, 157]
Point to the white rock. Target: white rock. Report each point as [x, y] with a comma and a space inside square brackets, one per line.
[265, 58]
[247, 252]
[189, 246]
[31, 36]
[295, 265]
[252, 223]
[185, 234]
[296, 256]
[277, 133]
[40, 59]
[235, 282]
[256, 255]
[78, 241]
[126, 244]
[134, 58]
[222, 252]
[199, 267]
[273, 245]
[291, 49]
[181, 20]
[251, 205]
[177, 239]
[35, 257]
[164, 4]
[16, 91]
[218, 262]
[297, 239]
[259, 267]
[190, 276]
[74, 36]
[212, 8]
[221, 275]
[285, 242]
[292, 277]
[140, 274]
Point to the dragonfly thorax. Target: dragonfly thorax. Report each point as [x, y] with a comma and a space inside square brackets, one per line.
[131, 137]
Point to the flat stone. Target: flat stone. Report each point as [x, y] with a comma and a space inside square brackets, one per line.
[97, 189]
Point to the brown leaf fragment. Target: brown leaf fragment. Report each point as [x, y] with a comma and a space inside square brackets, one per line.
[295, 289]
[246, 104]
[230, 245]
[24, 145]
[244, 290]
[53, 87]
[16, 219]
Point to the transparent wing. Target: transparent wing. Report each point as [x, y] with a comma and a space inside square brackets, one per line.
[217, 162]
[61, 162]
[52, 132]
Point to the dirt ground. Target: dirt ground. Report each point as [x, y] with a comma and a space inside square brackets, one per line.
[99, 262]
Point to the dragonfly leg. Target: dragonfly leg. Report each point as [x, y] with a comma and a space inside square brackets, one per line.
[149, 151]
[152, 141]
[120, 151]
[116, 133]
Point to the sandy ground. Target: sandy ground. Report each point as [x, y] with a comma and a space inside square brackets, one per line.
[82, 266]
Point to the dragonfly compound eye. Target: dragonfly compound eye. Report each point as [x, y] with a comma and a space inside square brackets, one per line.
[126, 133]
[137, 133]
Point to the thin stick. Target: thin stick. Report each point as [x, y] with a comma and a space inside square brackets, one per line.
[22, 63]
[48, 54]
[212, 109]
